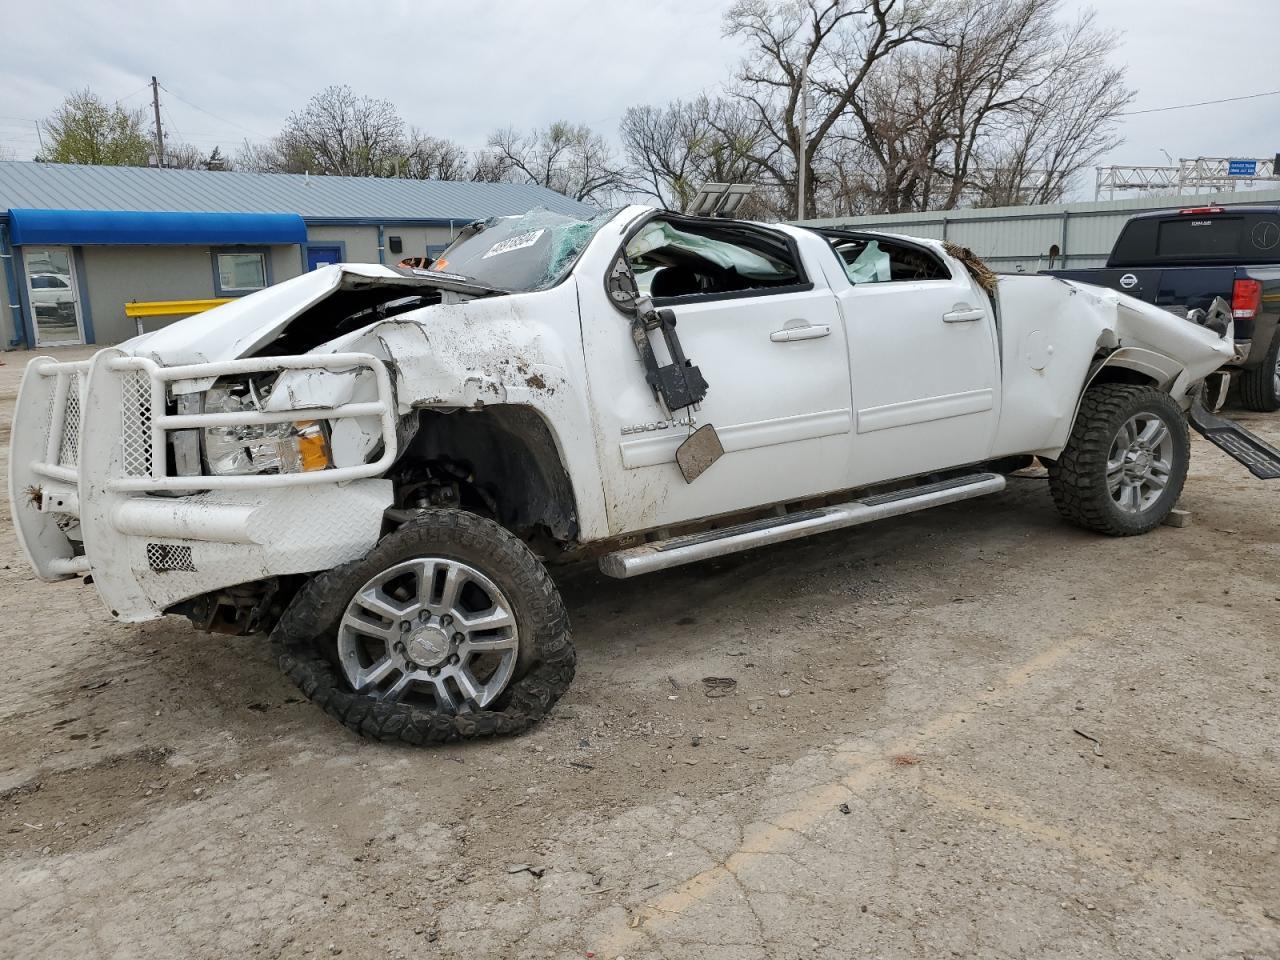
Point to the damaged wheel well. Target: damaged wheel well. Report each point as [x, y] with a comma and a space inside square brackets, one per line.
[1135, 365]
[1117, 374]
[502, 461]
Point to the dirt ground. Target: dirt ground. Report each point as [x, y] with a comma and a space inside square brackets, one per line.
[974, 732]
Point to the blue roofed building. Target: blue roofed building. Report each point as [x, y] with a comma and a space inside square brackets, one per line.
[79, 242]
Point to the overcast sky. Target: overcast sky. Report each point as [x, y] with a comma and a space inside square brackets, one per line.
[235, 69]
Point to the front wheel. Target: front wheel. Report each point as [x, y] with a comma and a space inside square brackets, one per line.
[450, 627]
[1125, 462]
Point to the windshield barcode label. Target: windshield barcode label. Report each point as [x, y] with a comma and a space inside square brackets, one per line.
[514, 243]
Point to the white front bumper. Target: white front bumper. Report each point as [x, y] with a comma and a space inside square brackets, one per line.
[91, 492]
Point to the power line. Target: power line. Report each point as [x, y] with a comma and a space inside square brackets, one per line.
[134, 94]
[207, 113]
[173, 132]
[1202, 103]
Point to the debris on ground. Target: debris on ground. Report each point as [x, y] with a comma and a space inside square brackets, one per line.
[719, 686]
[526, 868]
[1097, 744]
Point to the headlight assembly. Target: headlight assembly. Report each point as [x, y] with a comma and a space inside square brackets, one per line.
[291, 447]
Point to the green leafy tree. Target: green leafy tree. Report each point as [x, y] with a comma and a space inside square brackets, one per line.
[86, 130]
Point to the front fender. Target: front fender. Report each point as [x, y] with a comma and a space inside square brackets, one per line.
[518, 350]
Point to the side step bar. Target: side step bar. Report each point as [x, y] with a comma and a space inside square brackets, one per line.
[759, 533]
[1262, 459]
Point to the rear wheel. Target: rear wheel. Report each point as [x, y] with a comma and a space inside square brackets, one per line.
[1125, 462]
[449, 628]
[1260, 386]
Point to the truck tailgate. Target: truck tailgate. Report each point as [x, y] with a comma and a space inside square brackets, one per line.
[1186, 288]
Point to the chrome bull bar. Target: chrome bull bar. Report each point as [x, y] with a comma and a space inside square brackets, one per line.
[147, 463]
[90, 441]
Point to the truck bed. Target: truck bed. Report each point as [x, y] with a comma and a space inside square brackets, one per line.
[1176, 289]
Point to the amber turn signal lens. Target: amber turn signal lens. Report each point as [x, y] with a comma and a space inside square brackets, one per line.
[313, 451]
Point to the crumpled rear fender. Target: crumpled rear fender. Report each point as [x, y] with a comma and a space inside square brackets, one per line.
[1058, 336]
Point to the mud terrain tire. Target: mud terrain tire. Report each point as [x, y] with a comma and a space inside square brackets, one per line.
[305, 638]
[1259, 388]
[1078, 479]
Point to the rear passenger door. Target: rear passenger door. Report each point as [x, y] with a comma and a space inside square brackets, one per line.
[923, 357]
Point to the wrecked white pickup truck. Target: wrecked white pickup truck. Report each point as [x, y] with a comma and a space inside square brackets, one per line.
[374, 464]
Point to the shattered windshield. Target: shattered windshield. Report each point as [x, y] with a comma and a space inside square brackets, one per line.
[530, 252]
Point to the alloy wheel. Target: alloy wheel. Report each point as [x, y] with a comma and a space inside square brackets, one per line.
[1140, 462]
[431, 630]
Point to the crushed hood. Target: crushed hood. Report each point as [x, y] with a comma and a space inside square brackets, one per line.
[245, 326]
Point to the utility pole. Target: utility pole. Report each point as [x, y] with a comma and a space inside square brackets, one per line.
[155, 105]
[802, 164]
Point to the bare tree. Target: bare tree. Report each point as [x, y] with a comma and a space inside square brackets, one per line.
[489, 166]
[569, 158]
[835, 44]
[183, 156]
[187, 156]
[434, 158]
[1064, 123]
[673, 150]
[1007, 109]
[338, 133]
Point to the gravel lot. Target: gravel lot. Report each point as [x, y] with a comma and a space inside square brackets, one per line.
[971, 732]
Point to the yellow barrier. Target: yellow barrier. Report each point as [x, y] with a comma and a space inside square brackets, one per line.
[170, 308]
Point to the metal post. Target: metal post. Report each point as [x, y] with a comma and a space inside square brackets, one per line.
[802, 160]
[12, 278]
[155, 105]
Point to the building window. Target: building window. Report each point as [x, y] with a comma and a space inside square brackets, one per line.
[240, 272]
[435, 249]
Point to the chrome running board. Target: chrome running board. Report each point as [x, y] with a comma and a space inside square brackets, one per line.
[759, 533]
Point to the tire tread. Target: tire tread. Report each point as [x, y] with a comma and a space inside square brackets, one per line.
[1257, 385]
[1078, 478]
[315, 610]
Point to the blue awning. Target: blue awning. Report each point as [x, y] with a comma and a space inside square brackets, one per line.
[112, 227]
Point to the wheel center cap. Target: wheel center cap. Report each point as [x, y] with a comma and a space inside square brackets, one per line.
[429, 646]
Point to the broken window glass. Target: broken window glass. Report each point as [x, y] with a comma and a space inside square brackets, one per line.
[519, 254]
[662, 236]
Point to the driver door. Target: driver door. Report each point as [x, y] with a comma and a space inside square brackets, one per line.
[777, 366]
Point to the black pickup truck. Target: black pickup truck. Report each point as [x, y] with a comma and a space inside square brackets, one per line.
[1182, 259]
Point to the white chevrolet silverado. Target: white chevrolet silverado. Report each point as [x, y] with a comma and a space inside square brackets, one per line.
[375, 464]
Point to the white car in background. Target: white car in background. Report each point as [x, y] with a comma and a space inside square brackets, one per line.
[52, 296]
[377, 465]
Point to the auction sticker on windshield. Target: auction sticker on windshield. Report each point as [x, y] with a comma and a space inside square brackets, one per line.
[514, 243]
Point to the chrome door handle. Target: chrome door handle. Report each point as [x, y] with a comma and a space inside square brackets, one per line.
[810, 331]
[962, 314]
